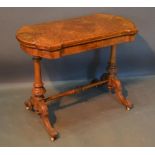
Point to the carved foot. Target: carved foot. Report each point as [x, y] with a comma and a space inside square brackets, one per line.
[116, 85]
[51, 131]
[43, 112]
[39, 106]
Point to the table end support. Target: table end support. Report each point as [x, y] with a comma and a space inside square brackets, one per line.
[113, 82]
[37, 101]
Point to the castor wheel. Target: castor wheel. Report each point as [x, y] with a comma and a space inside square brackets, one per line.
[27, 108]
[129, 108]
[53, 139]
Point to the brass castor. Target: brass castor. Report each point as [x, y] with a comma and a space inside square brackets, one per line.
[129, 108]
[27, 108]
[54, 136]
[53, 139]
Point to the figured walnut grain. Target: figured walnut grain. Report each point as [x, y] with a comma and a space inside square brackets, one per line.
[87, 32]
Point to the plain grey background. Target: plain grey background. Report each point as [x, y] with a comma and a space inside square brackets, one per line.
[134, 59]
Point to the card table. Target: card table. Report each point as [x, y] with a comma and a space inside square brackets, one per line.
[56, 39]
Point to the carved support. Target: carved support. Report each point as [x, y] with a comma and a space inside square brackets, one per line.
[37, 101]
[113, 82]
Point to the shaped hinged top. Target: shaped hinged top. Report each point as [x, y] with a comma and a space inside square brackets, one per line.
[57, 35]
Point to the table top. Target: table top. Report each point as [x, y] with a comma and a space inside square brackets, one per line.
[56, 35]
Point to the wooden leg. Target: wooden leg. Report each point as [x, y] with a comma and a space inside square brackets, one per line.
[37, 101]
[113, 82]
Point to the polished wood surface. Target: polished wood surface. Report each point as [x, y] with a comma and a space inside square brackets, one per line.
[57, 39]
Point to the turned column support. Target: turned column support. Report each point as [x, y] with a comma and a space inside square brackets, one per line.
[37, 102]
[112, 66]
[38, 88]
[113, 82]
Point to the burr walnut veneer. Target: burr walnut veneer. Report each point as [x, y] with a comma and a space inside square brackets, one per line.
[53, 40]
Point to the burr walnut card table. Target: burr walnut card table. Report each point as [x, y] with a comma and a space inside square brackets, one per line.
[56, 39]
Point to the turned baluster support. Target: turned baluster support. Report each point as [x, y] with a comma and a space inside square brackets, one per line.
[38, 90]
[37, 101]
[113, 82]
[112, 67]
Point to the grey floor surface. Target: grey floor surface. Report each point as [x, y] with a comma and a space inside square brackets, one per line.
[92, 118]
